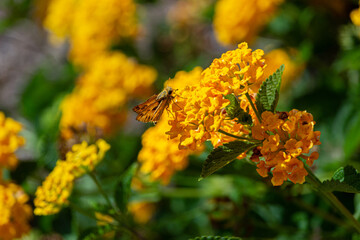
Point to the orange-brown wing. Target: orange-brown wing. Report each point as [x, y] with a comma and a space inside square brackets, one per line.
[160, 109]
[147, 114]
[143, 106]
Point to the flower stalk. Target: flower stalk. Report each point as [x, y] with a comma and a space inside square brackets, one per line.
[101, 190]
[237, 137]
[253, 107]
[117, 214]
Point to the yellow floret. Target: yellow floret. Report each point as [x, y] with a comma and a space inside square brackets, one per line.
[54, 192]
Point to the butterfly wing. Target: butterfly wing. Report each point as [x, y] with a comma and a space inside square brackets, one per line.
[147, 114]
[145, 105]
[152, 109]
[160, 109]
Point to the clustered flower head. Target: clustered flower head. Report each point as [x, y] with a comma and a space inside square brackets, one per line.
[241, 20]
[160, 155]
[101, 93]
[286, 136]
[199, 111]
[10, 141]
[15, 212]
[92, 26]
[57, 187]
[97, 105]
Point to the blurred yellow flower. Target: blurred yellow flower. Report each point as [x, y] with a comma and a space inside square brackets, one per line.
[15, 212]
[54, 192]
[83, 158]
[103, 219]
[92, 26]
[241, 20]
[182, 79]
[275, 58]
[59, 17]
[160, 156]
[10, 141]
[287, 136]
[101, 93]
[142, 211]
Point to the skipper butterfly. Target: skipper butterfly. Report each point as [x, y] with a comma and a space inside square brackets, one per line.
[152, 109]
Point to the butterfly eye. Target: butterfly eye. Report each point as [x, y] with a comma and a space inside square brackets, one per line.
[170, 91]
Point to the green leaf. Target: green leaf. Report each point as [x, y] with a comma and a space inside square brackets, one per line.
[345, 179]
[224, 155]
[233, 110]
[268, 95]
[215, 238]
[123, 188]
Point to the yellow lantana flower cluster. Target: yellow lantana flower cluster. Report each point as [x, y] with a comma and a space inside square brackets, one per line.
[287, 136]
[10, 141]
[160, 155]
[57, 187]
[99, 98]
[97, 104]
[15, 213]
[275, 58]
[92, 26]
[241, 20]
[199, 110]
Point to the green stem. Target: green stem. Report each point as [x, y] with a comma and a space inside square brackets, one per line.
[237, 137]
[117, 215]
[101, 190]
[315, 182]
[253, 107]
